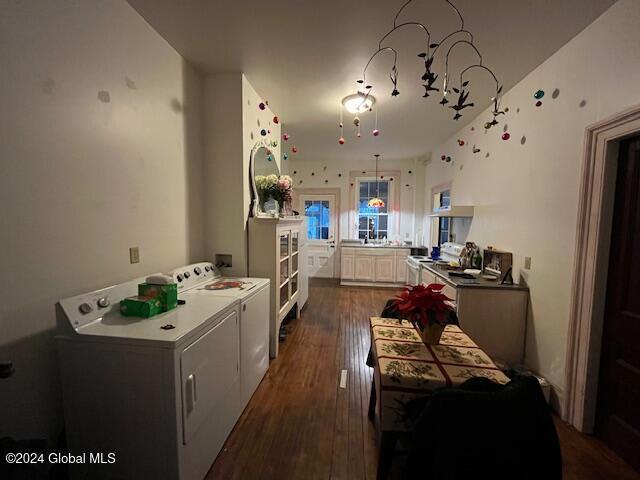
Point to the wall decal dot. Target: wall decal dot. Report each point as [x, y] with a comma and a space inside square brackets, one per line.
[518, 110]
[286, 137]
[505, 128]
[539, 94]
[381, 177]
[582, 103]
[406, 185]
[269, 131]
[410, 172]
[295, 172]
[473, 129]
[276, 120]
[326, 181]
[324, 169]
[263, 132]
[448, 159]
[269, 158]
[506, 110]
[363, 172]
[506, 136]
[376, 132]
[487, 155]
[443, 157]
[341, 140]
[460, 142]
[475, 149]
[300, 181]
[538, 103]
[461, 167]
[258, 122]
[251, 135]
[262, 106]
[294, 150]
[285, 157]
[391, 179]
[339, 174]
[340, 125]
[523, 140]
[352, 184]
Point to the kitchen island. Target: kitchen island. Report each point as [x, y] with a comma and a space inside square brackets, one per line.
[495, 315]
[373, 265]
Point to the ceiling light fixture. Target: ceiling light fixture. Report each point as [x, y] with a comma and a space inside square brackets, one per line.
[376, 202]
[358, 102]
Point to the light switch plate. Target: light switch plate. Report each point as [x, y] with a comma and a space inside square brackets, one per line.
[527, 263]
[134, 255]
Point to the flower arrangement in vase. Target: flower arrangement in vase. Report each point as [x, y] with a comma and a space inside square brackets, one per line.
[274, 193]
[426, 307]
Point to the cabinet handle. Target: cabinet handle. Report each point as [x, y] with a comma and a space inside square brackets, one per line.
[244, 307]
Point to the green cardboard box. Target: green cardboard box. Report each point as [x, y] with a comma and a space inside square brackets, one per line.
[144, 307]
[167, 294]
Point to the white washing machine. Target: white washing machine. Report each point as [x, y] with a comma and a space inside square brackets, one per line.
[160, 394]
[204, 279]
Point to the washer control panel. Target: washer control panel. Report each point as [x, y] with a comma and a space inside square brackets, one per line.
[190, 275]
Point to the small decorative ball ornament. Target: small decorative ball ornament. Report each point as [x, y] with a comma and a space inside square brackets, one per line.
[506, 136]
[538, 103]
[341, 140]
[326, 181]
[376, 132]
[262, 105]
[276, 120]
[285, 156]
[539, 94]
[356, 121]
[286, 137]
[358, 135]
[487, 125]
[448, 159]
[443, 157]
[410, 172]
[263, 132]
[270, 158]
[294, 150]
[473, 129]
[340, 125]
[460, 142]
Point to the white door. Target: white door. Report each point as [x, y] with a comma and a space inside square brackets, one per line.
[321, 214]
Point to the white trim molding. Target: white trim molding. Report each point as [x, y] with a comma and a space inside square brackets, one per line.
[591, 261]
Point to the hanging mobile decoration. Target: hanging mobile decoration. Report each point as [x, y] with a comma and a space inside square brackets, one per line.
[460, 142]
[285, 156]
[462, 36]
[475, 149]
[376, 132]
[539, 94]
[276, 120]
[270, 158]
[538, 103]
[294, 149]
[341, 140]
[506, 136]
[443, 157]
[263, 132]
[262, 105]
[286, 137]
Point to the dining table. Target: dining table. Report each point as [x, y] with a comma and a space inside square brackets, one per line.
[405, 368]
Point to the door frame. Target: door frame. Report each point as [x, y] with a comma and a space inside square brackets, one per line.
[299, 192]
[593, 235]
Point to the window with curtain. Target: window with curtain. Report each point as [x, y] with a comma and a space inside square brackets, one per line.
[373, 223]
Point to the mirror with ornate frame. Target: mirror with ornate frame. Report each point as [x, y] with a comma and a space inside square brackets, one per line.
[262, 165]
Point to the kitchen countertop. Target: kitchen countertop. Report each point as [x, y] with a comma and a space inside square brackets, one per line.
[373, 245]
[443, 272]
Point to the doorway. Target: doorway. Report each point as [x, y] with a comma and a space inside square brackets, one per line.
[321, 213]
[618, 403]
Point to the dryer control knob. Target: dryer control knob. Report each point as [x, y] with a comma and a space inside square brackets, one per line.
[85, 308]
[187, 274]
[103, 302]
[179, 277]
[197, 270]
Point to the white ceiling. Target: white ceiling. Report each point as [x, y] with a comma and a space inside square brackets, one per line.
[304, 56]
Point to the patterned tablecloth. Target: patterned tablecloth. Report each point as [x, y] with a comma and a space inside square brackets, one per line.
[405, 368]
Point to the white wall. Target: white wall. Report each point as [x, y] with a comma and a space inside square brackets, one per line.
[83, 179]
[526, 191]
[411, 186]
[232, 125]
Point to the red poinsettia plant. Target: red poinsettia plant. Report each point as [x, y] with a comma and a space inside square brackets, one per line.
[425, 305]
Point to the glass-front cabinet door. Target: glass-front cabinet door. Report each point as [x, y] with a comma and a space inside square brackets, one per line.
[284, 244]
[285, 267]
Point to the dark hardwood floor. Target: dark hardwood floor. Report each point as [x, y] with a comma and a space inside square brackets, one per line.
[301, 425]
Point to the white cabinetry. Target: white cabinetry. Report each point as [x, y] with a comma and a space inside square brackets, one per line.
[274, 253]
[379, 266]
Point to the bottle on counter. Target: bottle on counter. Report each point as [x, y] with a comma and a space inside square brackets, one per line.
[476, 259]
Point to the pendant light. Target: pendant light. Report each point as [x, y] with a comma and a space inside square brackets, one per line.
[376, 202]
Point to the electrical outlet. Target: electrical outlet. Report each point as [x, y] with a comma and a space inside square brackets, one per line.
[134, 255]
[527, 263]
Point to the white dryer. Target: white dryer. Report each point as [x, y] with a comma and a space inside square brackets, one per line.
[161, 394]
[205, 280]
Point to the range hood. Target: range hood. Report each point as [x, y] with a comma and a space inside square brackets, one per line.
[453, 211]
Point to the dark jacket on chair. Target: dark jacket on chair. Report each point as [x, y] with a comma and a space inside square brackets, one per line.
[483, 430]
